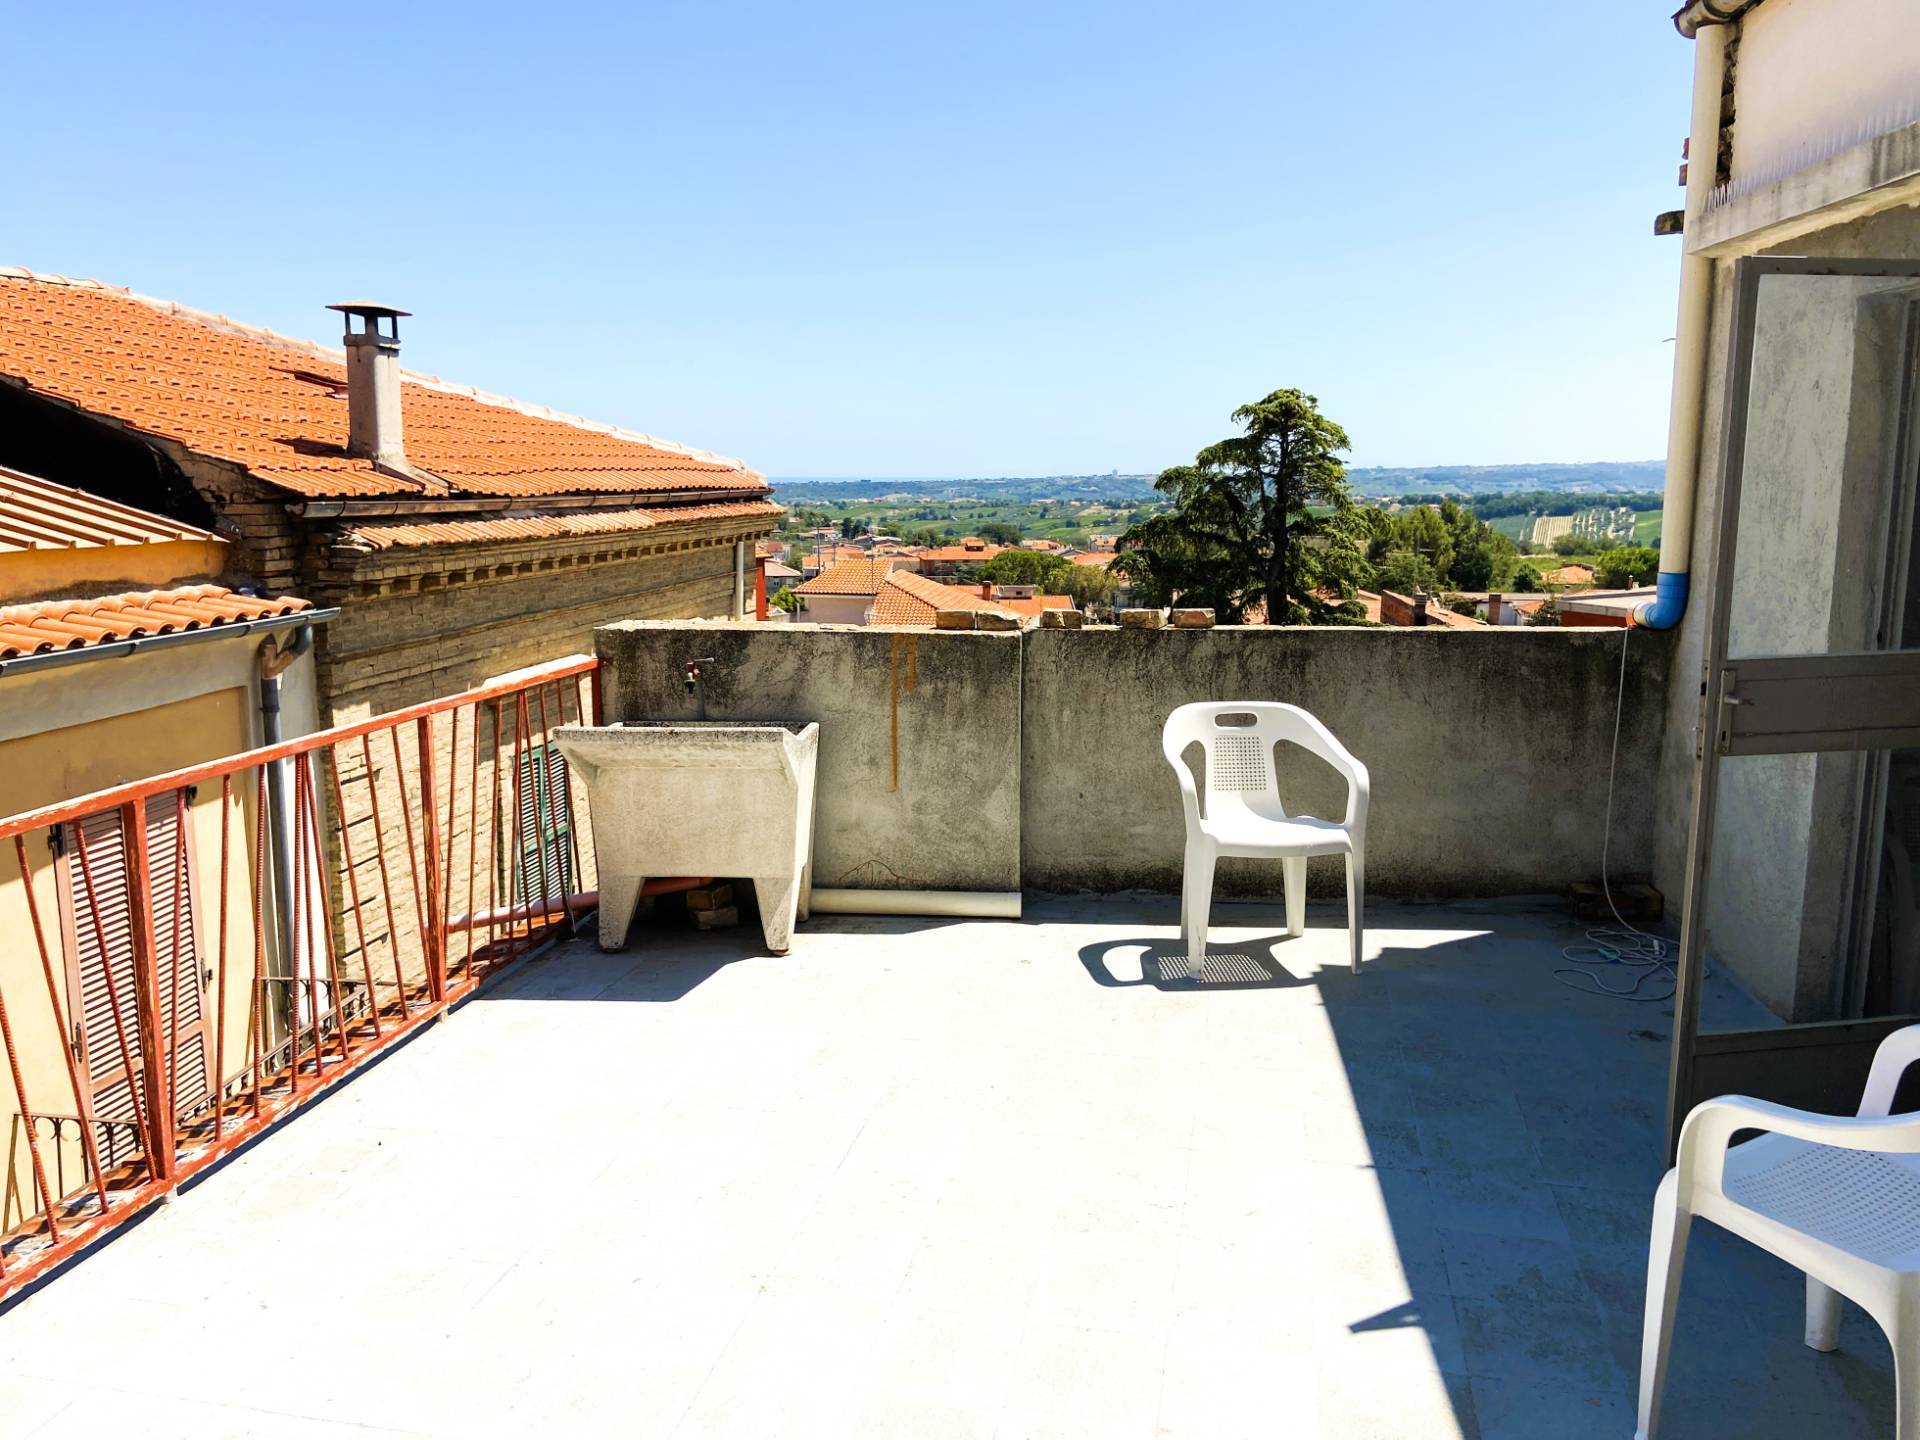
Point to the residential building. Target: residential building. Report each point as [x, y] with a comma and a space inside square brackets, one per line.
[942, 561]
[906, 598]
[1418, 608]
[1516, 609]
[1569, 575]
[131, 645]
[880, 591]
[460, 533]
[1602, 607]
[779, 576]
[843, 592]
[1022, 600]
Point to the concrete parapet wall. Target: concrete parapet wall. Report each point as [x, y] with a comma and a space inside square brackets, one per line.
[969, 761]
[919, 768]
[1487, 752]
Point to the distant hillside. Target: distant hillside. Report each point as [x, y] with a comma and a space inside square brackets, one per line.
[1004, 490]
[1371, 482]
[1598, 476]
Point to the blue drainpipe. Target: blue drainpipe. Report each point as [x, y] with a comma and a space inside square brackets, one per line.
[1669, 602]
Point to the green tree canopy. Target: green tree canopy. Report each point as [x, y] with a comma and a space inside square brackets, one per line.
[1403, 572]
[1626, 565]
[999, 532]
[1454, 546]
[1025, 567]
[1087, 584]
[1263, 518]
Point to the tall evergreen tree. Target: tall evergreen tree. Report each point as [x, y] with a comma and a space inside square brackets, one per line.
[1261, 520]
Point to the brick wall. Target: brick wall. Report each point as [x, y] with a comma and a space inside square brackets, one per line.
[418, 624]
[428, 622]
[266, 543]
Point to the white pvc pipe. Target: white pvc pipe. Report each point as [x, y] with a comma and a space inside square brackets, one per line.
[968, 904]
[739, 579]
[1689, 340]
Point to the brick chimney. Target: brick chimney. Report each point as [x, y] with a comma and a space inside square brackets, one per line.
[373, 382]
[1419, 606]
[986, 590]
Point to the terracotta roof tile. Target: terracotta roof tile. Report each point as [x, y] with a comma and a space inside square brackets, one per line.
[36, 514]
[969, 550]
[48, 625]
[545, 524]
[278, 406]
[908, 598]
[1033, 604]
[863, 576]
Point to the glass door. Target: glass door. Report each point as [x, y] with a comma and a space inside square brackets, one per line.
[1800, 941]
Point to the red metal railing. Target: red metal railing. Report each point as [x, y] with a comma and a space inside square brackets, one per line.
[158, 1018]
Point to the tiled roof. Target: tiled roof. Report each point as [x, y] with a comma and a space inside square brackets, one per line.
[1438, 614]
[825, 556]
[36, 514]
[545, 524]
[1569, 575]
[278, 406]
[1605, 602]
[48, 625]
[863, 576]
[977, 550]
[909, 598]
[1102, 558]
[1034, 604]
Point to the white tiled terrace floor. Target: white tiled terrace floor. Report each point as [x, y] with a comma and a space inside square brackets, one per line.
[972, 1180]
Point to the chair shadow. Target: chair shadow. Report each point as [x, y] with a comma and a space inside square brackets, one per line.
[1162, 963]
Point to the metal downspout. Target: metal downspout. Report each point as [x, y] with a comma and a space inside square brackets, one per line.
[275, 658]
[1669, 603]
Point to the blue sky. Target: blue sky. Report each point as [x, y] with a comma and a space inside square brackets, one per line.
[884, 239]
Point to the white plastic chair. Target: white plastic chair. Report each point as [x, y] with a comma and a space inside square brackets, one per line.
[1836, 1196]
[1243, 814]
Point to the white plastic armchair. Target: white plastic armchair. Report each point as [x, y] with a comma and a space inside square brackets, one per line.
[1836, 1196]
[1243, 814]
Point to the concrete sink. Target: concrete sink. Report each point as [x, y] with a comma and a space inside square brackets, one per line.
[730, 798]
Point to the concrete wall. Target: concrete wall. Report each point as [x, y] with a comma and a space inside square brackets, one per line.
[919, 778]
[1034, 758]
[1488, 751]
[1816, 75]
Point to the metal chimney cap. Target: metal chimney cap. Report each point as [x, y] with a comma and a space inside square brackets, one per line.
[370, 309]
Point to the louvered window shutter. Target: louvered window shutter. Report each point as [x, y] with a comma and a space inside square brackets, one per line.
[546, 826]
[97, 912]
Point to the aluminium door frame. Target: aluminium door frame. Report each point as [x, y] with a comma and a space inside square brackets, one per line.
[1720, 731]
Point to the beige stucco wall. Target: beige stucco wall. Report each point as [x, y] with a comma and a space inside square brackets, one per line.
[837, 609]
[104, 569]
[75, 729]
